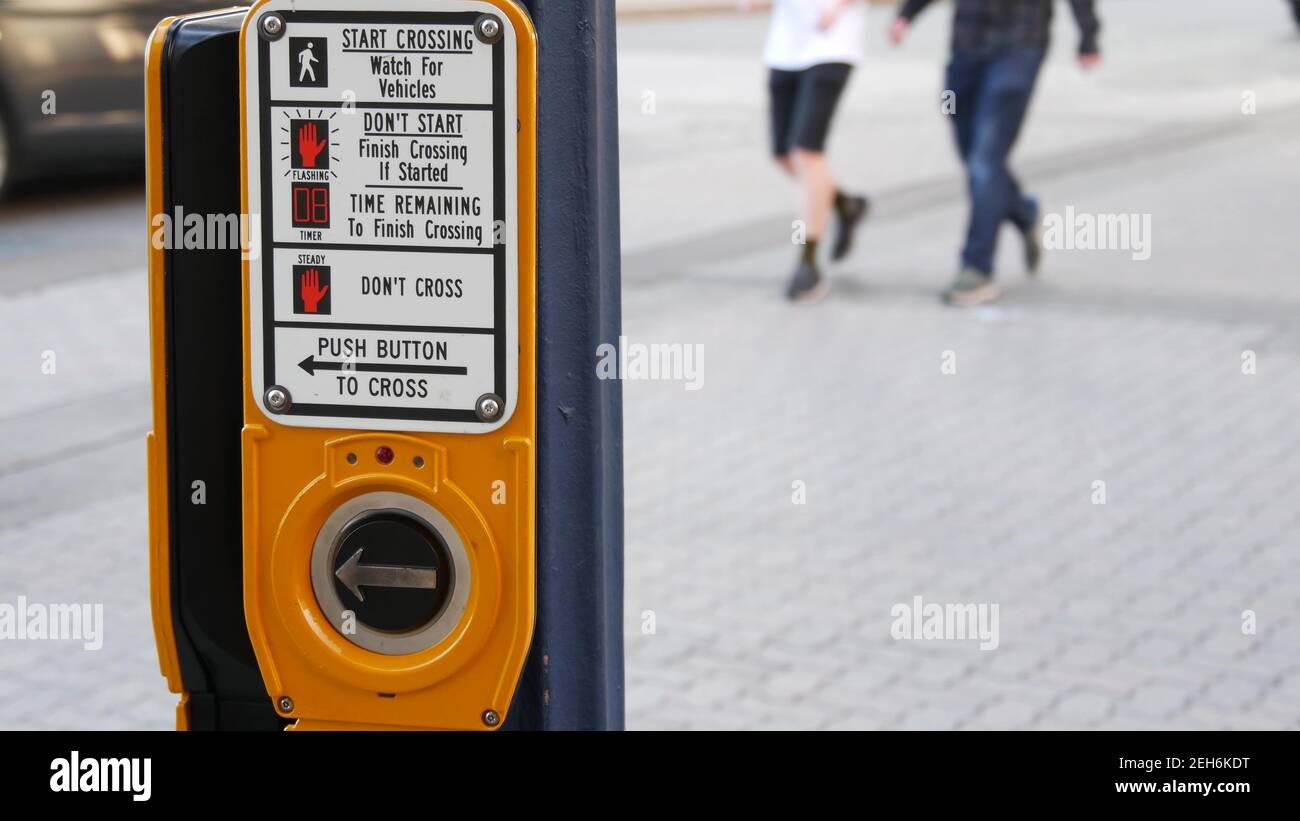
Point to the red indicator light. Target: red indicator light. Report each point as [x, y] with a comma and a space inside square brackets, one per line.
[384, 455]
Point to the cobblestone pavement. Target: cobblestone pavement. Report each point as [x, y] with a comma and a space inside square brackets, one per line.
[972, 487]
[976, 486]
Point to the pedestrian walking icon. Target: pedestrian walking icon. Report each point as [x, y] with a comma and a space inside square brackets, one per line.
[305, 59]
[308, 62]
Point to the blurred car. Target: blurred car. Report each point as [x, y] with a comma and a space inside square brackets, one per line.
[72, 83]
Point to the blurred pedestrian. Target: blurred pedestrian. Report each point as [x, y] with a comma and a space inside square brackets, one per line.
[998, 48]
[812, 48]
[1295, 8]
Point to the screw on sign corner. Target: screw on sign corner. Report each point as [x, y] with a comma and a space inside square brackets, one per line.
[491, 718]
[271, 26]
[489, 407]
[488, 29]
[278, 399]
[285, 704]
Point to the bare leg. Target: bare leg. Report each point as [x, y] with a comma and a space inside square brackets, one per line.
[817, 189]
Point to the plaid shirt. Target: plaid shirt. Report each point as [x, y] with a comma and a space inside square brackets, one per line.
[988, 25]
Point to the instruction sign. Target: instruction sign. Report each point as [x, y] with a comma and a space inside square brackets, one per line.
[381, 166]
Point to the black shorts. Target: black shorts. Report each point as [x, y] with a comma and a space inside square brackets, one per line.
[803, 103]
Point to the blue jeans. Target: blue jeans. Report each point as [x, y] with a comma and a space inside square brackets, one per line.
[992, 95]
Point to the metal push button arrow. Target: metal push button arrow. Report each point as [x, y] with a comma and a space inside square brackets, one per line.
[356, 575]
[393, 570]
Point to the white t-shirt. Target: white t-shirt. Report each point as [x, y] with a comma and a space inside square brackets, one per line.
[795, 43]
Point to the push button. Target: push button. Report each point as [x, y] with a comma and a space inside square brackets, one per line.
[393, 571]
[390, 573]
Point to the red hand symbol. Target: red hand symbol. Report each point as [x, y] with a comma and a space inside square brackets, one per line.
[312, 293]
[307, 145]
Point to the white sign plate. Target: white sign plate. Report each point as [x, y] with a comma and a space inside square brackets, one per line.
[382, 180]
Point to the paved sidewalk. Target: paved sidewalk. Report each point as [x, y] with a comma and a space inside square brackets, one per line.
[975, 487]
[971, 487]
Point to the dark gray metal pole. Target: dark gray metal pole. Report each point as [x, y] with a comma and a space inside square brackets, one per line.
[574, 675]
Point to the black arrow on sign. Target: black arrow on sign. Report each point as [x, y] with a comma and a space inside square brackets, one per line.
[354, 575]
[310, 365]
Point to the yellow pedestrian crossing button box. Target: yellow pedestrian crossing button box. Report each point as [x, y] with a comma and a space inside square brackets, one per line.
[389, 417]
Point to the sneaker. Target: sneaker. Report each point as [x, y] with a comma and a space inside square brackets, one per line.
[807, 284]
[971, 287]
[847, 217]
[1034, 247]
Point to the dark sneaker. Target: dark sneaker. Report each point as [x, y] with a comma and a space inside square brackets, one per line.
[847, 216]
[971, 287]
[1034, 246]
[807, 284]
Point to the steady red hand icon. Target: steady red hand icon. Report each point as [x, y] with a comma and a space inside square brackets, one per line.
[312, 293]
[307, 145]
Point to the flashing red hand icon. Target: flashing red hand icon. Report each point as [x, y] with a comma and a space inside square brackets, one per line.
[307, 145]
[312, 292]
